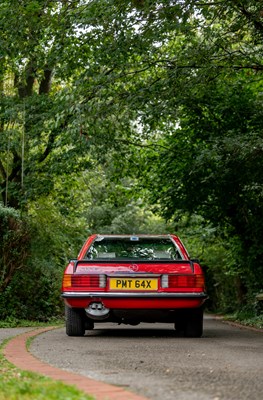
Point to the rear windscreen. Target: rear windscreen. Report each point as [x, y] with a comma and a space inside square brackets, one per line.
[133, 248]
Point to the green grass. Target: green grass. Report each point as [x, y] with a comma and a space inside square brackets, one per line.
[21, 323]
[16, 384]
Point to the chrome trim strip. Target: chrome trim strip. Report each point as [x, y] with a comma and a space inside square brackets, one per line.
[201, 295]
[132, 275]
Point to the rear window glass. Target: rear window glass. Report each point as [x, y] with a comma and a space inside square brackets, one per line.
[133, 248]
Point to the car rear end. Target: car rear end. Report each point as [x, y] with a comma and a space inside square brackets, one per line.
[133, 279]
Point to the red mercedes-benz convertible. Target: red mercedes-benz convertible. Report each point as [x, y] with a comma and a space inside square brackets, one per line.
[131, 279]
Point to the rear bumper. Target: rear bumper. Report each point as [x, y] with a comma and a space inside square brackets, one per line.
[137, 301]
[120, 295]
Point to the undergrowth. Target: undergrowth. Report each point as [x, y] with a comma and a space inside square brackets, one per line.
[12, 322]
[246, 319]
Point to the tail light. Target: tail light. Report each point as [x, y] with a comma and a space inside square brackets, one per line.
[182, 281]
[80, 282]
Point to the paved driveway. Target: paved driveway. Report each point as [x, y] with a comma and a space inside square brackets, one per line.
[227, 363]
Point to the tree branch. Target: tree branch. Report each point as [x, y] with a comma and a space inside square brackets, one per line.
[257, 24]
[2, 170]
[45, 84]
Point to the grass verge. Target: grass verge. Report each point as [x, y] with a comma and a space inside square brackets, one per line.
[16, 384]
[22, 323]
[245, 319]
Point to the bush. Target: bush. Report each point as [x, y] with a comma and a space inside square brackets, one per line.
[230, 284]
[32, 290]
[33, 294]
[14, 244]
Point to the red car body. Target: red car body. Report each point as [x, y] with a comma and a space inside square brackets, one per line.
[131, 279]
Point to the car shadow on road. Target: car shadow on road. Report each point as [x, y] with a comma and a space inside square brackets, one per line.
[213, 329]
[145, 333]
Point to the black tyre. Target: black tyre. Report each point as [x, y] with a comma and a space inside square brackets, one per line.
[194, 323]
[75, 325]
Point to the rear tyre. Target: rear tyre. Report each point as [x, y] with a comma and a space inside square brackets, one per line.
[194, 323]
[75, 325]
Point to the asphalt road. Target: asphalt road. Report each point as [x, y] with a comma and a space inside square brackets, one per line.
[226, 363]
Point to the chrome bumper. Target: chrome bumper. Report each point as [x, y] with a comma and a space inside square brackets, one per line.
[162, 295]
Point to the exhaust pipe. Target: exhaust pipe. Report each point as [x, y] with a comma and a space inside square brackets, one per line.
[97, 311]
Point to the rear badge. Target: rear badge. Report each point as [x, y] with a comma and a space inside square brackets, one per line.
[134, 267]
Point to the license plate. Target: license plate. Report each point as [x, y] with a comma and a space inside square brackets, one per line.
[133, 284]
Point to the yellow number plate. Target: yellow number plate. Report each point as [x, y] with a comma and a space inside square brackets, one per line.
[133, 284]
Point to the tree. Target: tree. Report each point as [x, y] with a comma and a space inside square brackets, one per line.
[211, 165]
[156, 88]
[39, 140]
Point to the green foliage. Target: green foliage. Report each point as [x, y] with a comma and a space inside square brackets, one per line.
[33, 294]
[39, 138]
[107, 106]
[246, 317]
[34, 291]
[114, 206]
[218, 175]
[131, 218]
[217, 257]
[14, 244]
[17, 322]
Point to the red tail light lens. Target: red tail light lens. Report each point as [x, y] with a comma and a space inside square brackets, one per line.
[84, 281]
[183, 281]
[90, 281]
